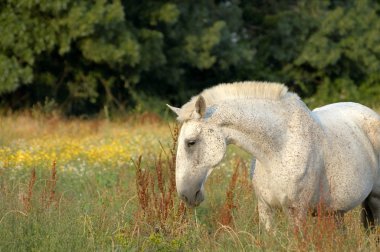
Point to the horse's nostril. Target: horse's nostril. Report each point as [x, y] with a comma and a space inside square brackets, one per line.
[193, 200]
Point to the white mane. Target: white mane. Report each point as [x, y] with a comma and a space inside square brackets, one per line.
[236, 90]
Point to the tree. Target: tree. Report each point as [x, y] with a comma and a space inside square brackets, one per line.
[341, 60]
[124, 54]
[52, 46]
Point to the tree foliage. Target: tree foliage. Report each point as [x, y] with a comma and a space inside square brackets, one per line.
[123, 54]
[343, 55]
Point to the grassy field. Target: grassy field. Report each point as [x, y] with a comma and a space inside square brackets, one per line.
[95, 185]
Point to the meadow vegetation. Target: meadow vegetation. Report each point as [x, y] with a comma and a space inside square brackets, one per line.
[86, 185]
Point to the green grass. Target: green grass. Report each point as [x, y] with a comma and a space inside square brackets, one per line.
[100, 206]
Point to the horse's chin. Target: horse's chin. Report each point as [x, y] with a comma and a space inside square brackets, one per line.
[192, 204]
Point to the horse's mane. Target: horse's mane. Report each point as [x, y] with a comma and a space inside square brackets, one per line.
[236, 90]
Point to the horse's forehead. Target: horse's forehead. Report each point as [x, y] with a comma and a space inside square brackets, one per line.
[191, 128]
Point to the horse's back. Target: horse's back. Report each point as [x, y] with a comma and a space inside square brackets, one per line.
[353, 114]
[351, 151]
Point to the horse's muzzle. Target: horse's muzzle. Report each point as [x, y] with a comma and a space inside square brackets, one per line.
[192, 199]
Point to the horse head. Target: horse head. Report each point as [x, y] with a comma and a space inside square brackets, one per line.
[201, 146]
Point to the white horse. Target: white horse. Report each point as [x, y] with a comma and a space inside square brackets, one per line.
[303, 157]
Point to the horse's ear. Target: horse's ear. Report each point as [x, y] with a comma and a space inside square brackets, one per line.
[200, 106]
[174, 109]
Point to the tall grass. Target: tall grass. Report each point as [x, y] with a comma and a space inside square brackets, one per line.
[133, 206]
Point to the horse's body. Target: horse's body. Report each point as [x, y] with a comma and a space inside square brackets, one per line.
[304, 158]
[352, 134]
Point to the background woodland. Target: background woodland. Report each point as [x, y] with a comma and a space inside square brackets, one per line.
[84, 57]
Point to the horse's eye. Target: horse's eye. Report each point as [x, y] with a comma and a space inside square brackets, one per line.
[190, 143]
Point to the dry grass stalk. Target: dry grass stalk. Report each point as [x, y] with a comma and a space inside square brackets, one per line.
[52, 183]
[225, 217]
[142, 184]
[323, 233]
[48, 195]
[156, 192]
[27, 199]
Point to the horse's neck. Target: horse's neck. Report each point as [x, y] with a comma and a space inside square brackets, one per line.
[261, 127]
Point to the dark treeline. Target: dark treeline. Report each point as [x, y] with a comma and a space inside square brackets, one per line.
[123, 55]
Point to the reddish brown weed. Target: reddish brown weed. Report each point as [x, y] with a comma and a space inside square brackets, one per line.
[322, 234]
[158, 203]
[48, 194]
[27, 199]
[225, 217]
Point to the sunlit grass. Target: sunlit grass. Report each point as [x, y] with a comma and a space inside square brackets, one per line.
[81, 144]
